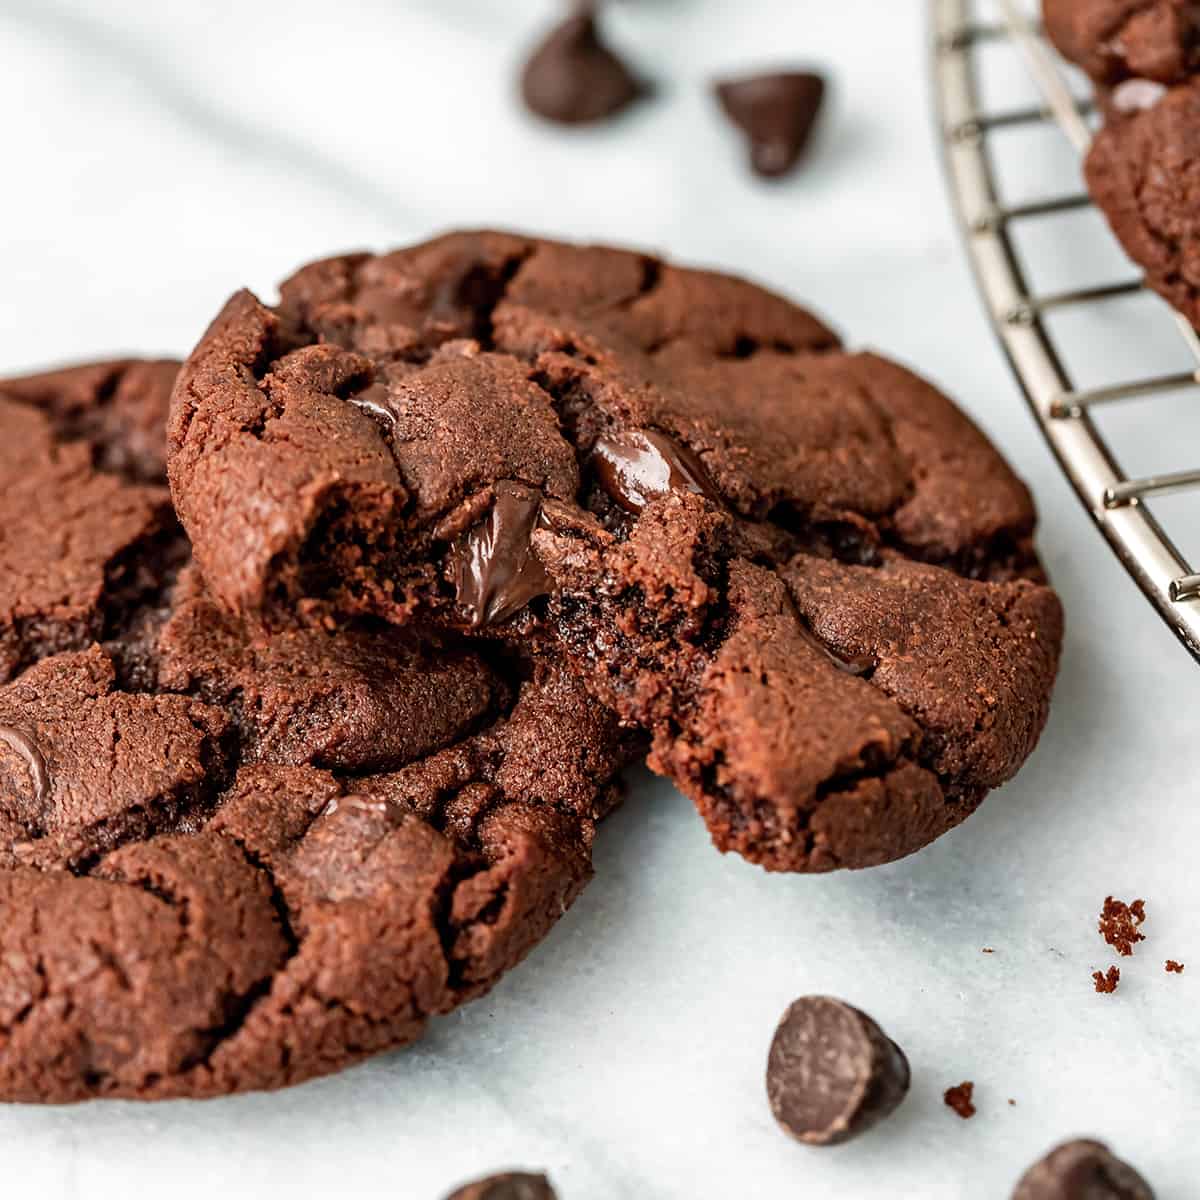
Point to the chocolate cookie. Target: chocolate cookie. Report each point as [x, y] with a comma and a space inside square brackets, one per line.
[1143, 171]
[232, 861]
[87, 534]
[804, 572]
[1121, 39]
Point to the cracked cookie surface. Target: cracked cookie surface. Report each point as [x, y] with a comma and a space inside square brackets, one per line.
[87, 534]
[675, 478]
[234, 861]
[1113, 40]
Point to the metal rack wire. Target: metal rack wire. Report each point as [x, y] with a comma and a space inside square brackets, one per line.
[1119, 505]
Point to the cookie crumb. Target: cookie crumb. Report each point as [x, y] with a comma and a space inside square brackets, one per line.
[1119, 924]
[987, 950]
[1011, 1102]
[959, 1099]
[1108, 981]
[1173, 967]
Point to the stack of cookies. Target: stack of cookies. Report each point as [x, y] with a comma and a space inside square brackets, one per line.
[311, 744]
[1143, 168]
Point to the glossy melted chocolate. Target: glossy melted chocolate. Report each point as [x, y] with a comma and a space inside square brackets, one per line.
[35, 763]
[496, 572]
[635, 466]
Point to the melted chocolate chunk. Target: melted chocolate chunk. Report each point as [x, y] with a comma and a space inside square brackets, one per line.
[573, 78]
[1082, 1170]
[635, 466]
[496, 572]
[777, 113]
[1136, 95]
[862, 665]
[374, 400]
[22, 744]
[832, 1073]
[363, 804]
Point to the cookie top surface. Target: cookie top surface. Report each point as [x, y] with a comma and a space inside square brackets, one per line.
[233, 861]
[673, 476]
[1122, 39]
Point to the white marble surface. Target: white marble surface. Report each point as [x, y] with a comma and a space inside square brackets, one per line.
[158, 155]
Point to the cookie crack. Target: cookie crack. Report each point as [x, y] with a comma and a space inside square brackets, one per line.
[240, 1006]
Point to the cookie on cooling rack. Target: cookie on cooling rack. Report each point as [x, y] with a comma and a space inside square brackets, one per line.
[803, 572]
[1114, 40]
[231, 861]
[1143, 171]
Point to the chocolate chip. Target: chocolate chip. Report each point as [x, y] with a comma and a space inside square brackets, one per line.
[35, 763]
[1136, 95]
[573, 78]
[777, 113]
[635, 466]
[1082, 1170]
[516, 1185]
[496, 572]
[832, 1073]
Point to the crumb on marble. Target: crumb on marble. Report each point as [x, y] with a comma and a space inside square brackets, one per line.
[1173, 967]
[959, 1099]
[1107, 982]
[1119, 924]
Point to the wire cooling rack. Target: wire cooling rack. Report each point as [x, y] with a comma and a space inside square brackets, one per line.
[964, 30]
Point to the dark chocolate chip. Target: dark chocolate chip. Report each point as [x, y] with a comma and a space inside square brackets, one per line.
[1082, 1170]
[516, 1185]
[832, 1073]
[1136, 95]
[635, 466]
[777, 113]
[23, 745]
[574, 78]
[496, 572]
